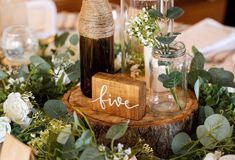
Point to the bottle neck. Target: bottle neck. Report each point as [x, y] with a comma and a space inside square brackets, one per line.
[96, 20]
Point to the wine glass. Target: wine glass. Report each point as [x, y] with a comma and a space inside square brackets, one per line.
[19, 44]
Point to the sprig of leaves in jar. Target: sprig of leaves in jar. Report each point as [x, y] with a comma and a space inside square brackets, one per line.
[150, 27]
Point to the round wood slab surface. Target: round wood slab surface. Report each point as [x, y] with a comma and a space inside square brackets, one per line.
[75, 99]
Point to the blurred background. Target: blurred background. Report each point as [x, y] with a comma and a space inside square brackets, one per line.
[195, 10]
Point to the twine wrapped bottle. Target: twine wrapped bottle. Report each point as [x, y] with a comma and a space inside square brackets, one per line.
[96, 27]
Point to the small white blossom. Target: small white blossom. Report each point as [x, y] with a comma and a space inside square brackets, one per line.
[11, 81]
[126, 157]
[16, 109]
[120, 147]
[115, 157]
[101, 148]
[5, 128]
[128, 151]
[59, 73]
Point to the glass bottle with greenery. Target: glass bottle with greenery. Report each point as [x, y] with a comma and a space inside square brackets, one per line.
[167, 65]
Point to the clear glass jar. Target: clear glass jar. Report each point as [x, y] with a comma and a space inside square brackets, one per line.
[133, 51]
[19, 44]
[168, 79]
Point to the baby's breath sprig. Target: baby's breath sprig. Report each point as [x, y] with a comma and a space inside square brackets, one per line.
[149, 27]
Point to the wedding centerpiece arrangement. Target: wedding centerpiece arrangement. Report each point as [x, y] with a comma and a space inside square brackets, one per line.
[41, 103]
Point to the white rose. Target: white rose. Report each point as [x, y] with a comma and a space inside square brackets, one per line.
[4, 128]
[16, 109]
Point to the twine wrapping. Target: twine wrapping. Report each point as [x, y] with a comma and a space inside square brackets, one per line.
[96, 20]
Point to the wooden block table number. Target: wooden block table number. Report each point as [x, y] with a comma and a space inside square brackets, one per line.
[118, 95]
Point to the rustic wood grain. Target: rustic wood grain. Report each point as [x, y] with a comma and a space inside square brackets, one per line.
[118, 86]
[155, 129]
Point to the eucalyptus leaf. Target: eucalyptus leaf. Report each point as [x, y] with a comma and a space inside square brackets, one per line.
[69, 150]
[77, 121]
[84, 140]
[180, 143]
[3, 75]
[198, 60]
[73, 72]
[55, 108]
[166, 39]
[204, 137]
[218, 125]
[117, 131]
[23, 71]
[154, 13]
[91, 153]
[174, 12]
[64, 135]
[221, 77]
[61, 39]
[162, 78]
[40, 63]
[193, 76]
[74, 39]
[197, 86]
[204, 112]
[173, 79]
[164, 63]
[208, 111]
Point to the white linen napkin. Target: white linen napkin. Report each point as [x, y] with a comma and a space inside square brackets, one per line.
[209, 36]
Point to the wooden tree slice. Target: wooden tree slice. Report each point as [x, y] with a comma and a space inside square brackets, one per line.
[155, 129]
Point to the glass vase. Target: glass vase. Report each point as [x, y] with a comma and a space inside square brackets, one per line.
[136, 55]
[168, 82]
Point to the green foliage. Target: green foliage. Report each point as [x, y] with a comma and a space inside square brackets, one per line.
[174, 12]
[171, 80]
[40, 64]
[221, 77]
[218, 125]
[179, 143]
[64, 135]
[204, 112]
[155, 13]
[197, 87]
[205, 138]
[55, 109]
[92, 153]
[166, 39]
[216, 111]
[74, 39]
[198, 61]
[195, 74]
[117, 131]
[61, 39]
[3, 75]
[73, 72]
[84, 140]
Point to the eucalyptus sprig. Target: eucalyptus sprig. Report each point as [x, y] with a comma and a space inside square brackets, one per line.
[216, 112]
